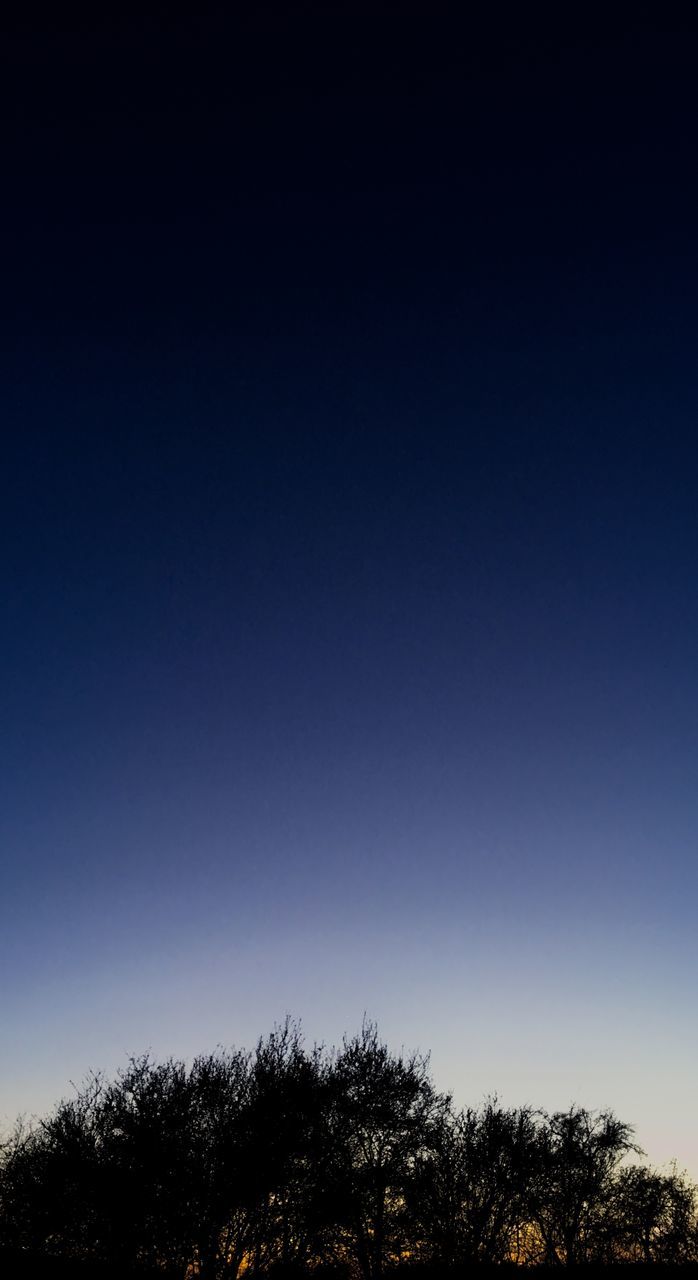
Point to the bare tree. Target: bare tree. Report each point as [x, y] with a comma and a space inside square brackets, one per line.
[288, 1159]
[472, 1191]
[651, 1217]
[578, 1157]
[385, 1114]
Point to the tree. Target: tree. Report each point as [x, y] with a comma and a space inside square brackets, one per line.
[143, 1172]
[385, 1115]
[578, 1156]
[289, 1159]
[50, 1184]
[652, 1217]
[286, 1147]
[471, 1193]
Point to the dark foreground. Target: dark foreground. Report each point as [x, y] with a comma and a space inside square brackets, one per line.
[18, 1264]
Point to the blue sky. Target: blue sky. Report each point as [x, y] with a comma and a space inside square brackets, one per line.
[349, 560]
[411, 768]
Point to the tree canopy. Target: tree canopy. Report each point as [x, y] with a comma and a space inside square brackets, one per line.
[293, 1159]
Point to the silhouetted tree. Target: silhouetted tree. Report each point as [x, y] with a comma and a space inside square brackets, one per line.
[578, 1157]
[471, 1193]
[50, 1185]
[143, 1171]
[286, 1119]
[651, 1217]
[385, 1115]
[289, 1160]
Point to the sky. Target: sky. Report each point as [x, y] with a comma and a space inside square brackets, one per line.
[349, 549]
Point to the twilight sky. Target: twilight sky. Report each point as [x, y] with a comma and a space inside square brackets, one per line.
[349, 550]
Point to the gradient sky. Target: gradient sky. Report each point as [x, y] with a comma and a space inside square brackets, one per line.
[349, 551]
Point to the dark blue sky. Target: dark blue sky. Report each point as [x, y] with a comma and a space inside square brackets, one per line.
[349, 548]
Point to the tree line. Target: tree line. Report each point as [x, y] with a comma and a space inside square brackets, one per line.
[290, 1159]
